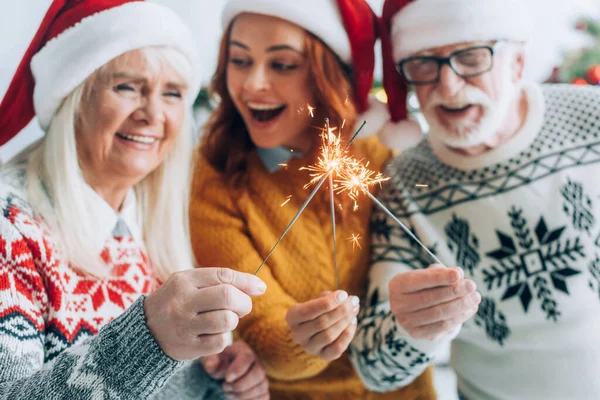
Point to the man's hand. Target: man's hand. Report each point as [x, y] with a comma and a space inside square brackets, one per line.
[432, 302]
[243, 375]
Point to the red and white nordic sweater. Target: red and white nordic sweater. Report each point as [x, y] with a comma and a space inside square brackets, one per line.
[67, 335]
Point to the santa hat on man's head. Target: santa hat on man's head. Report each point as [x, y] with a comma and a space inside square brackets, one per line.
[75, 38]
[348, 27]
[411, 26]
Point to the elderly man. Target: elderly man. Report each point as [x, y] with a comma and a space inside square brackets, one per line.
[506, 186]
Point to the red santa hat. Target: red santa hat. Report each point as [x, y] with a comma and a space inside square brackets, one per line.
[76, 38]
[411, 26]
[348, 27]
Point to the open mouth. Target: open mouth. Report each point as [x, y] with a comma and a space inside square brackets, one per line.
[137, 138]
[456, 109]
[265, 113]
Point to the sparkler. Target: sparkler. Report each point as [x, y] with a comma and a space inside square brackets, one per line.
[333, 156]
[332, 139]
[356, 178]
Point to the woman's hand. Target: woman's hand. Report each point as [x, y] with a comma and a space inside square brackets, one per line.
[244, 376]
[325, 326]
[192, 314]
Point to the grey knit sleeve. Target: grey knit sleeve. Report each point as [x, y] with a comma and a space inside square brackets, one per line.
[122, 362]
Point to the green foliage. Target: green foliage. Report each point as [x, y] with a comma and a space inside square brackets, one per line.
[576, 65]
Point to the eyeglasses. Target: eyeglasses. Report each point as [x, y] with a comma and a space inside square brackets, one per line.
[466, 63]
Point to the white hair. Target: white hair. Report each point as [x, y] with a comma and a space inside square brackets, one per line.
[468, 133]
[55, 183]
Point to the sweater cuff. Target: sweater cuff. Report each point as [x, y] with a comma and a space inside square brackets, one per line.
[136, 360]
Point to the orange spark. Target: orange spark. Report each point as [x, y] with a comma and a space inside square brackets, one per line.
[311, 110]
[355, 239]
[287, 201]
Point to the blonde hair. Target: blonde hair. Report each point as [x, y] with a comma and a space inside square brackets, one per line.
[55, 183]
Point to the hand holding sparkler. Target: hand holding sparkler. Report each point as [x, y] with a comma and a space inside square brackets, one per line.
[431, 303]
[325, 326]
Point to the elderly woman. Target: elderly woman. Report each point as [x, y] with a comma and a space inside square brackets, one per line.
[97, 295]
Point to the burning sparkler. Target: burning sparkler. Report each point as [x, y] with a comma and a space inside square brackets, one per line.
[331, 163]
[345, 175]
[356, 179]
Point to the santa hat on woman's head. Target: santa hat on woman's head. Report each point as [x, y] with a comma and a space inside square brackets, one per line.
[75, 38]
[411, 26]
[348, 27]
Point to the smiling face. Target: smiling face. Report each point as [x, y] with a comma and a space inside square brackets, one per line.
[465, 112]
[268, 80]
[131, 115]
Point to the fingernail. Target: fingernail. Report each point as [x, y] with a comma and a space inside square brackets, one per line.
[342, 296]
[232, 376]
[262, 287]
[355, 301]
[227, 387]
[461, 272]
[475, 297]
[355, 321]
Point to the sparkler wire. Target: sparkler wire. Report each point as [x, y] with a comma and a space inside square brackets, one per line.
[404, 227]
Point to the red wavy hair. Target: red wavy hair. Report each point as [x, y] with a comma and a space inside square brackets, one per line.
[227, 143]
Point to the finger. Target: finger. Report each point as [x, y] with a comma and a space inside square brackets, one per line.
[303, 332]
[312, 309]
[242, 363]
[213, 322]
[220, 297]
[211, 365]
[253, 377]
[207, 277]
[325, 293]
[337, 348]
[206, 345]
[414, 281]
[438, 329]
[440, 312]
[258, 392]
[432, 297]
[326, 337]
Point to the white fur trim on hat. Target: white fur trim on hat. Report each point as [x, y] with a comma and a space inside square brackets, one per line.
[320, 17]
[375, 117]
[425, 24]
[401, 135]
[69, 59]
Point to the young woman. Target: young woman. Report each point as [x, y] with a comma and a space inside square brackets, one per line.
[283, 68]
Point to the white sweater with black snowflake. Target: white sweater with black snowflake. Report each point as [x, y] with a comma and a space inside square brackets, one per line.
[524, 223]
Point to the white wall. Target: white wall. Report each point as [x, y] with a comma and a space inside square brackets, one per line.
[19, 21]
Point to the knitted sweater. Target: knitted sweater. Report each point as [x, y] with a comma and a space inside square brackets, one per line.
[522, 221]
[65, 335]
[237, 228]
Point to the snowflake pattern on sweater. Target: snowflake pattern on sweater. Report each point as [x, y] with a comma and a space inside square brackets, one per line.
[521, 221]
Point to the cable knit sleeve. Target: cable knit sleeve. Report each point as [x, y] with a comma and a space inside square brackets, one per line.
[122, 361]
[219, 238]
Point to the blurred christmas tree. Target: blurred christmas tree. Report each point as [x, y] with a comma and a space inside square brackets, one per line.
[582, 67]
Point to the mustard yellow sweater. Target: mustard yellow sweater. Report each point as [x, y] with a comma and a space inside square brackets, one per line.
[237, 228]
